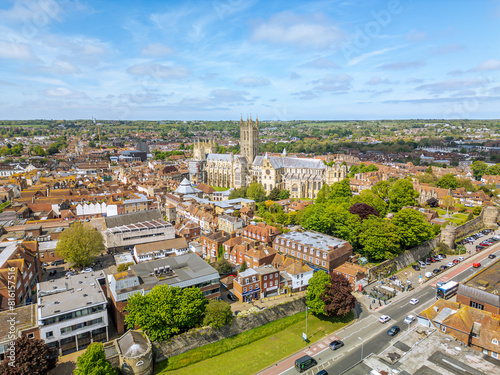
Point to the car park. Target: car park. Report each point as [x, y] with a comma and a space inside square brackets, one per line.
[322, 372]
[334, 345]
[415, 267]
[492, 256]
[393, 331]
[476, 265]
[435, 271]
[52, 272]
[413, 301]
[409, 319]
[479, 248]
[384, 318]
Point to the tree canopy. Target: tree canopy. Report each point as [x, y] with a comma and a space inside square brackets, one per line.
[93, 362]
[363, 210]
[223, 267]
[32, 357]
[337, 296]
[166, 311]
[80, 244]
[448, 181]
[402, 194]
[218, 314]
[256, 192]
[379, 239]
[341, 189]
[372, 199]
[316, 287]
[412, 227]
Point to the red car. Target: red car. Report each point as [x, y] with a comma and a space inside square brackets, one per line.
[476, 265]
[455, 261]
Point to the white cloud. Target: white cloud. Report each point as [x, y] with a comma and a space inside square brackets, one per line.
[157, 50]
[320, 64]
[63, 92]
[305, 95]
[452, 85]
[341, 82]
[253, 81]
[15, 51]
[379, 81]
[61, 67]
[314, 31]
[159, 71]
[402, 65]
[488, 65]
[367, 55]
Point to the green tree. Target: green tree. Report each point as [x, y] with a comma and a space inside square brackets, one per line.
[93, 362]
[238, 193]
[337, 296]
[80, 244]
[316, 287]
[124, 266]
[477, 210]
[371, 199]
[236, 213]
[412, 227]
[166, 311]
[274, 195]
[379, 239]
[223, 267]
[32, 357]
[402, 194]
[479, 168]
[448, 181]
[284, 194]
[243, 266]
[340, 189]
[256, 192]
[92, 144]
[323, 194]
[218, 314]
[382, 189]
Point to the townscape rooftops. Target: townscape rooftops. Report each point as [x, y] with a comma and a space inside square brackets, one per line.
[174, 243]
[26, 317]
[186, 187]
[131, 218]
[487, 280]
[137, 227]
[67, 294]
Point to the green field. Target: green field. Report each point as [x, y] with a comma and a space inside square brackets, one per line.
[217, 188]
[261, 347]
[455, 217]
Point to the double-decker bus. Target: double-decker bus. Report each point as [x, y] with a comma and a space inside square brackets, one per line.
[447, 290]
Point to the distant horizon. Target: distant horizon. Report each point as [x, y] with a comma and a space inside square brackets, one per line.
[283, 60]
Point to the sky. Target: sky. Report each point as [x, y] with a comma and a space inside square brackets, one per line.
[222, 59]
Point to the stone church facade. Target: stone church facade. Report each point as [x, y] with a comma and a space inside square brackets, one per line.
[301, 176]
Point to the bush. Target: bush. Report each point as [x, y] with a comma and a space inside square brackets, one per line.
[442, 248]
[124, 266]
[477, 210]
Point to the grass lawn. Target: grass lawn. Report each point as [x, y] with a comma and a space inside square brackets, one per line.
[217, 188]
[261, 346]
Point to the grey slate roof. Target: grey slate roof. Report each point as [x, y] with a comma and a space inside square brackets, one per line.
[185, 187]
[288, 162]
[132, 344]
[133, 218]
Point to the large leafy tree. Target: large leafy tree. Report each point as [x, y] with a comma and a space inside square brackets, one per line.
[338, 297]
[372, 199]
[316, 287]
[80, 244]
[340, 189]
[382, 189]
[402, 194]
[412, 227]
[323, 194]
[379, 239]
[32, 357]
[256, 192]
[479, 168]
[363, 210]
[284, 194]
[93, 362]
[238, 193]
[274, 195]
[448, 181]
[314, 218]
[433, 202]
[166, 311]
[218, 314]
[342, 223]
[223, 267]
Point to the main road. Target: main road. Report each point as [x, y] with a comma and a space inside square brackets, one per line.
[367, 335]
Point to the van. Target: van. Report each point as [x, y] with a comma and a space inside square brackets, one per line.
[421, 264]
[304, 363]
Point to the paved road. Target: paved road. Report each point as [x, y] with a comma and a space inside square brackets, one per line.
[368, 335]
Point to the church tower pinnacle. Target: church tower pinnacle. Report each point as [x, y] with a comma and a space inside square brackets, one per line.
[249, 139]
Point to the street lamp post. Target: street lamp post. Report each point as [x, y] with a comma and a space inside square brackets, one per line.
[362, 343]
[306, 321]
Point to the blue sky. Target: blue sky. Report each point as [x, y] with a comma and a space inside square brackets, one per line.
[282, 60]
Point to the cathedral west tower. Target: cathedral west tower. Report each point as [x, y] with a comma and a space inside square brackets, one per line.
[249, 139]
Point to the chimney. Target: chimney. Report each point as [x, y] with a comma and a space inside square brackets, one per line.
[233, 234]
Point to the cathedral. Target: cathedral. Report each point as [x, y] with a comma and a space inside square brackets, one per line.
[303, 177]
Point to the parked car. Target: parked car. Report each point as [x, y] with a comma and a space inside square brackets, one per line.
[429, 275]
[384, 318]
[421, 264]
[413, 301]
[455, 261]
[232, 297]
[479, 247]
[52, 272]
[334, 345]
[393, 331]
[86, 270]
[45, 264]
[71, 273]
[322, 372]
[443, 255]
[492, 256]
[435, 271]
[450, 264]
[57, 262]
[415, 267]
[460, 259]
[409, 319]
[443, 267]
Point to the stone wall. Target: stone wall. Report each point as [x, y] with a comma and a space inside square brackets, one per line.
[404, 260]
[207, 335]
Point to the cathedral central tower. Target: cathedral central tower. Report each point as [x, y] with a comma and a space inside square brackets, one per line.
[249, 139]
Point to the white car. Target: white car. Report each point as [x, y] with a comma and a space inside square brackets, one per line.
[87, 270]
[384, 318]
[460, 259]
[409, 319]
[413, 301]
[450, 264]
